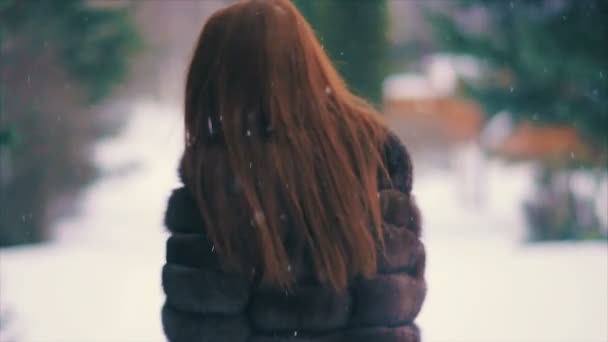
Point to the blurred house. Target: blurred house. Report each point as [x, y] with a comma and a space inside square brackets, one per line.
[424, 110]
[529, 141]
[438, 126]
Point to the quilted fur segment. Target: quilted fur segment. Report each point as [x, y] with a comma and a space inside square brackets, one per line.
[400, 210]
[305, 308]
[182, 326]
[404, 333]
[404, 252]
[182, 214]
[205, 303]
[398, 165]
[192, 250]
[204, 290]
[387, 300]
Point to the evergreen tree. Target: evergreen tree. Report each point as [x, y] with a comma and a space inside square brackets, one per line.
[545, 61]
[353, 32]
[58, 58]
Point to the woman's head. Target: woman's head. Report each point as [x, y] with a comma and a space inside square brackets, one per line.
[278, 151]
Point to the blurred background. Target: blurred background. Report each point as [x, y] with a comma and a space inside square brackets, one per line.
[503, 105]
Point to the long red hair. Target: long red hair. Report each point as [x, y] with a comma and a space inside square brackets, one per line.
[282, 158]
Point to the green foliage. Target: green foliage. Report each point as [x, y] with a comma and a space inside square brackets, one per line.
[57, 58]
[8, 136]
[547, 61]
[92, 43]
[544, 61]
[353, 32]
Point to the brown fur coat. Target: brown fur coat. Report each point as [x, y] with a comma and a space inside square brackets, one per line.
[204, 303]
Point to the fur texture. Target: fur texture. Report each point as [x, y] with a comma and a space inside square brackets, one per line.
[204, 302]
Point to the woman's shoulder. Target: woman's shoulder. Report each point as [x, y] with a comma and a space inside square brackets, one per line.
[398, 164]
[182, 214]
[187, 245]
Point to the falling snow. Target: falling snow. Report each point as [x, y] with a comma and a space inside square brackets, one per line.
[93, 254]
[259, 217]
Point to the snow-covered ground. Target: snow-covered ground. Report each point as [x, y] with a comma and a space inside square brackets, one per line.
[100, 279]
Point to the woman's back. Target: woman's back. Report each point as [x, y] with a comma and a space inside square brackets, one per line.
[205, 303]
[295, 219]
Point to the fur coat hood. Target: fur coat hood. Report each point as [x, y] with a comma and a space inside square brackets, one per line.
[204, 303]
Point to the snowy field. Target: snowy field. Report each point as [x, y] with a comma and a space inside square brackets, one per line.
[99, 280]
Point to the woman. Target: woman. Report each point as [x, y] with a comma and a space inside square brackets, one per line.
[295, 221]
